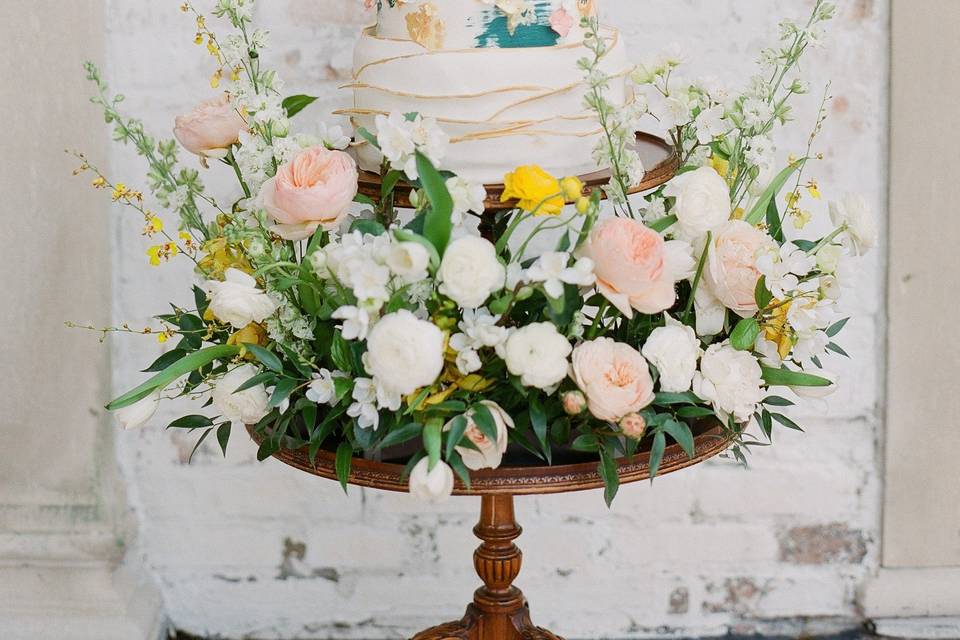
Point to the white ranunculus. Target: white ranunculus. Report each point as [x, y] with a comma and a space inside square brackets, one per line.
[404, 353]
[431, 485]
[730, 380]
[139, 413]
[538, 354]
[237, 300]
[702, 202]
[470, 271]
[854, 213]
[247, 406]
[487, 455]
[356, 322]
[409, 261]
[674, 351]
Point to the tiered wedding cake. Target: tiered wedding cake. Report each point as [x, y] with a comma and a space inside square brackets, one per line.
[499, 76]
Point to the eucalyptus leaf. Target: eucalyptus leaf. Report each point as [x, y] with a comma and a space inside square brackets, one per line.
[344, 461]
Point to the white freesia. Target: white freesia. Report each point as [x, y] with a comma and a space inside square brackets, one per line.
[487, 455]
[237, 300]
[783, 268]
[404, 353]
[854, 215]
[431, 485]
[710, 124]
[552, 271]
[538, 354]
[139, 413]
[478, 330]
[470, 271]
[702, 202]
[356, 322]
[409, 261]
[467, 196]
[730, 380]
[674, 351]
[364, 406]
[399, 138]
[333, 136]
[248, 406]
[322, 389]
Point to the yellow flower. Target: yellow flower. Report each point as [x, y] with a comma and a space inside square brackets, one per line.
[162, 252]
[537, 191]
[253, 333]
[154, 225]
[222, 256]
[215, 79]
[778, 330]
[572, 188]
[99, 182]
[162, 337]
[814, 189]
[720, 165]
[583, 205]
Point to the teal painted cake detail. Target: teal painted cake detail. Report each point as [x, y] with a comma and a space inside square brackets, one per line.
[496, 29]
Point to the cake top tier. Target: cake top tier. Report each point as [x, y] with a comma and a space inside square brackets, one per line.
[470, 24]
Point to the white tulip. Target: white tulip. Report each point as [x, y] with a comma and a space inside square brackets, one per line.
[538, 354]
[470, 271]
[248, 406]
[409, 261]
[431, 485]
[487, 455]
[237, 300]
[404, 353]
[139, 413]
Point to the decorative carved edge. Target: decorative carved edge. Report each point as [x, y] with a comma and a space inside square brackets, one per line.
[514, 480]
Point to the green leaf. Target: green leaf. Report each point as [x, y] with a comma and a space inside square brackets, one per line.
[458, 426]
[766, 423]
[264, 377]
[223, 436]
[610, 475]
[663, 224]
[281, 392]
[777, 401]
[667, 399]
[165, 360]
[401, 435]
[484, 420]
[745, 334]
[340, 353]
[833, 346]
[694, 412]
[191, 422]
[296, 104]
[199, 442]
[180, 368]
[762, 294]
[538, 420]
[343, 463]
[587, 443]
[433, 440]
[371, 227]
[437, 225]
[785, 421]
[786, 378]
[266, 358]
[268, 447]
[406, 235]
[388, 183]
[774, 222]
[411, 463]
[656, 453]
[837, 327]
[680, 432]
[770, 193]
[456, 463]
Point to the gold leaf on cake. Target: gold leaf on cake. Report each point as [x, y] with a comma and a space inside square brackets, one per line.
[425, 27]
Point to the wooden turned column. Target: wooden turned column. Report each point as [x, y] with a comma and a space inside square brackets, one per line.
[499, 610]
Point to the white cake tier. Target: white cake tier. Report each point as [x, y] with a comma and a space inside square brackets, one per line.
[502, 108]
[466, 24]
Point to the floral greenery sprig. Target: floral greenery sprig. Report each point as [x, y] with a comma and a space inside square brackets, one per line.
[330, 321]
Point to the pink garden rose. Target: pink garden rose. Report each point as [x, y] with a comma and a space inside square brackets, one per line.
[635, 267]
[210, 128]
[614, 377]
[731, 270]
[313, 190]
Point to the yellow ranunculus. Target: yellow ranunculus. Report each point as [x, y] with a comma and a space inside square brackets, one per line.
[536, 190]
[253, 333]
[572, 188]
[222, 256]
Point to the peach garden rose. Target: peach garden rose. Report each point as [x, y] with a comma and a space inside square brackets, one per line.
[614, 376]
[210, 128]
[731, 269]
[313, 190]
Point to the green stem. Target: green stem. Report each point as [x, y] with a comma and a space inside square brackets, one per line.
[696, 279]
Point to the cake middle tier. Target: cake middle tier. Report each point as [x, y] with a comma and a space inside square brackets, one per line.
[502, 108]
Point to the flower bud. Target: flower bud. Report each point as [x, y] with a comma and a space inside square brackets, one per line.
[574, 402]
[583, 205]
[633, 426]
[572, 188]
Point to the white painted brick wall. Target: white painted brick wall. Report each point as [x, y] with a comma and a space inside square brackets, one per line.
[701, 552]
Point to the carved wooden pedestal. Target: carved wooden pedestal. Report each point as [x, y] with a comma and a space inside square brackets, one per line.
[499, 611]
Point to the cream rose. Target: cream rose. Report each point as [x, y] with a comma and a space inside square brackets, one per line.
[730, 380]
[614, 376]
[210, 128]
[538, 354]
[404, 353]
[470, 271]
[237, 300]
[313, 190]
[731, 270]
[635, 268]
[674, 351]
[702, 202]
[431, 485]
[248, 406]
[139, 413]
[487, 455]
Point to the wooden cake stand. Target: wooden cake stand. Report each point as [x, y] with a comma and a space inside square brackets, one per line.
[499, 610]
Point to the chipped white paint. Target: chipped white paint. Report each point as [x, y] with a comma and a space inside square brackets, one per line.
[697, 553]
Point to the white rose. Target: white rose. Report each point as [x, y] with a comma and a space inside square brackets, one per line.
[237, 300]
[730, 380]
[470, 271]
[139, 413]
[538, 354]
[404, 353]
[853, 213]
[674, 351]
[434, 485]
[487, 455]
[409, 261]
[248, 406]
[702, 202]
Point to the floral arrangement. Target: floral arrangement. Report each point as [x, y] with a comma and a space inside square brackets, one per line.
[324, 319]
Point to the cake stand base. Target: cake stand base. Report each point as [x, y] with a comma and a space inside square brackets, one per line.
[499, 610]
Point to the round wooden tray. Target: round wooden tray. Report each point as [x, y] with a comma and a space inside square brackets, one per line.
[521, 473]
[657, 155]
